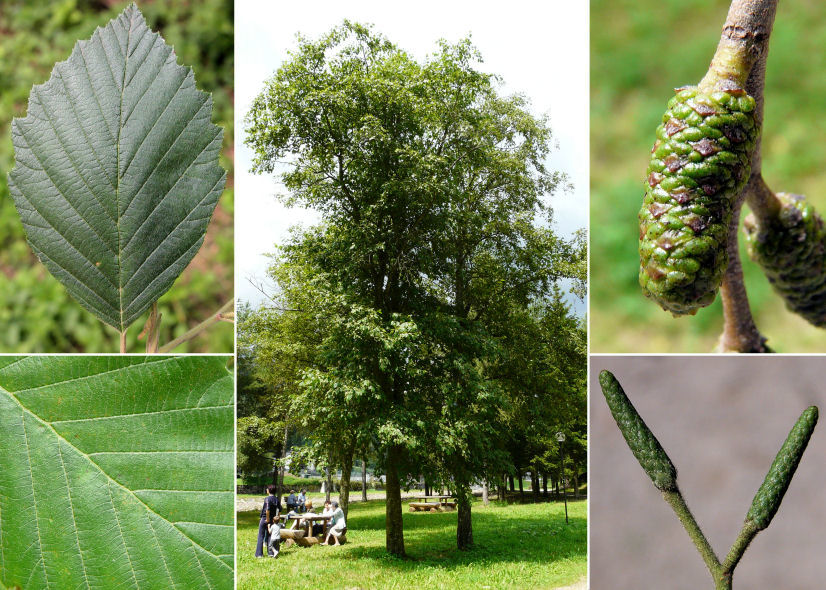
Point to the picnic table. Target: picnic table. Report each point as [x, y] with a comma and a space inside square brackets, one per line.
[441, 503]
[301, 531]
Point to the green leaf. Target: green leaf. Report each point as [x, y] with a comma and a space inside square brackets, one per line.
[116, 169]
[117, 472]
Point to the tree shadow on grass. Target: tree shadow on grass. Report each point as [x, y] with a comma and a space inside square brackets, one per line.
[499, 535]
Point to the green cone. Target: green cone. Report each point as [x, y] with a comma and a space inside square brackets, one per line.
[700, 161]
[791, 250]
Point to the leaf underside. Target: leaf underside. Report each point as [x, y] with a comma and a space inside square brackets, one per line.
[117, 472]
[116, 169]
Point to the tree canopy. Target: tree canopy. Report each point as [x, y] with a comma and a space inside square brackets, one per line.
[400, 318]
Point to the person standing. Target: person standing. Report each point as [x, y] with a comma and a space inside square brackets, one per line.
[270, 510]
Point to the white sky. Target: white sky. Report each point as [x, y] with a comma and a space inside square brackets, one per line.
[539, 49]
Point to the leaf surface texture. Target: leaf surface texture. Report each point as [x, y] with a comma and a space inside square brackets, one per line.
[117, 472]
[116, 169]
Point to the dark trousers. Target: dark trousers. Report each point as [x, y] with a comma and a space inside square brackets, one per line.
[263, 538]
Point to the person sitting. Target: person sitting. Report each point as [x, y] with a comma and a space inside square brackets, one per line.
[292, 501]
[337, 526]
[269, 511]
[302, 500]
[318, 528]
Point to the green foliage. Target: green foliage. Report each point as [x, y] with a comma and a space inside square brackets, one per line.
[39, 314]
[258, 443]
[631, 77]
[115, 179]
[515, 545]
[433, 189]
[76, 499]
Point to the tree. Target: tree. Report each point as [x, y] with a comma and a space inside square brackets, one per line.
[431, 186]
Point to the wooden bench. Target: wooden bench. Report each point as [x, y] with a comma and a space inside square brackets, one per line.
[301, 538]
[432, 506]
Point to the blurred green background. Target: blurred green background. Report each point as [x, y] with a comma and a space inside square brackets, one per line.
[640, 51]
[36, 313]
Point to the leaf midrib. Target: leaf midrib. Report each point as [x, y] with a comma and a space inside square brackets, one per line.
[85, 456]
[117, 175]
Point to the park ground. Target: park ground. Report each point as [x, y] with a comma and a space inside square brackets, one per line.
[516, 546]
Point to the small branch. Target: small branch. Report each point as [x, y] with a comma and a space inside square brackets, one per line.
[740, 333]
[740, 60]
[207, 323]
[151, 330]
[677, 503]
[747, 533]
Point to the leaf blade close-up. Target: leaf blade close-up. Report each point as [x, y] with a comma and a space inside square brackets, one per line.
[117, 472]
[116, 169]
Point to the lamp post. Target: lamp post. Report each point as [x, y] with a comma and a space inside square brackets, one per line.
[560, 437]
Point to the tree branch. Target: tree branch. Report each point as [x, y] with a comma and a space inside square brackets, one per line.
[741, 57]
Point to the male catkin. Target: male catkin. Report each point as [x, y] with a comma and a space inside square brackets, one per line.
[768, 498]
[640, 439]
[700, 161]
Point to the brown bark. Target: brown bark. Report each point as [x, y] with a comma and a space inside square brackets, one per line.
[279, 473]
[741, 56]
[344, 488]
[394, 531]
[364, 480]
[464, 523]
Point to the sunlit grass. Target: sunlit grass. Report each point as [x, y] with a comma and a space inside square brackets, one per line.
[516, 546]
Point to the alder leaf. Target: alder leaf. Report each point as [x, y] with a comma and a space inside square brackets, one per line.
[117, 472]
[116, 169]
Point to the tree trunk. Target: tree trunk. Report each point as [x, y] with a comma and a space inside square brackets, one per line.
[329, 485]
[545, 484]
[344, 489]
[485, 491]
[394, 528]
[279, 479]
[510, 480]
[521, 489]
[464, 523]
[576, 485]
[535, 484]
[364, 480]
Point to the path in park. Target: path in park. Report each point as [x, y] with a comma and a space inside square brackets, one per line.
[245, 504]
[581, 585]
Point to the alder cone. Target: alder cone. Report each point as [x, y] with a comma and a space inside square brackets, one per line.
[791, 249]
[700, 161]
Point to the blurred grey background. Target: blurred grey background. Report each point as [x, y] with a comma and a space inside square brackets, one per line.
[721, 420]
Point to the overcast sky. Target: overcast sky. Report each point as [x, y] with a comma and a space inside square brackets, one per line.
[539, 49]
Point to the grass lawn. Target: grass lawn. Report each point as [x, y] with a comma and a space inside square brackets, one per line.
[516, 546]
